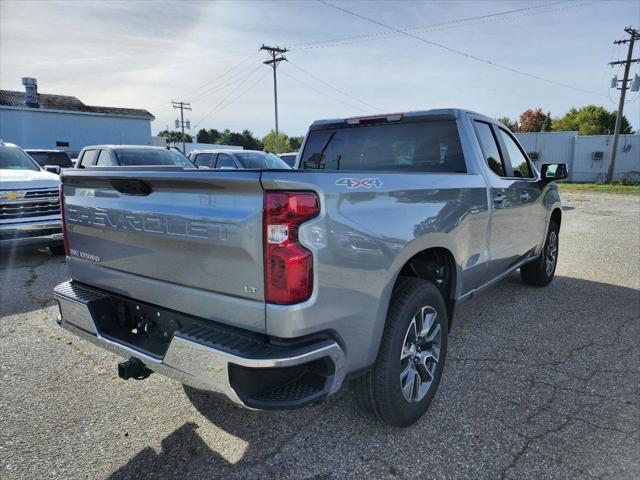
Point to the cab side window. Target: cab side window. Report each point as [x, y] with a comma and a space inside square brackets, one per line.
[490, 148]
[225, 161]
[104, 159]
[203, 160]
[88, 158]
[519, 162]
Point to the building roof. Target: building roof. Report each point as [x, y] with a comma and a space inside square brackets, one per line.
[46, 101]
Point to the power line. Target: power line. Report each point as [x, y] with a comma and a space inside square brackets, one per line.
[222, 75]
[461, 22]
[218, 78]
[324, 93]
[334, 88]
[226, 97]
[459, 52]
[239, 76]
[235, 99]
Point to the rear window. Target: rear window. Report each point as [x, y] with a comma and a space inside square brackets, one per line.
[260, 160]
[60, 159]
[432, 146]
[139, 156]
[289, 158]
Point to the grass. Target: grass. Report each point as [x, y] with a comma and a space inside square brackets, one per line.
[600, 188]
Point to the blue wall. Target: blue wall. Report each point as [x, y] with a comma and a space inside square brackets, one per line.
[42, 129]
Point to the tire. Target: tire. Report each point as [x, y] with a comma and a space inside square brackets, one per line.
[541, 271]
[380, 391]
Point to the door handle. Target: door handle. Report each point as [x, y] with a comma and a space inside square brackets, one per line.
[499, 198]
[525, 196]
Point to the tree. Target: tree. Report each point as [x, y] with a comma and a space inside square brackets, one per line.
[532, 121]
[295, 143]
[269, 142]
[590, 120]
[175, 137]
[251, 142]
[546, 125]
[506, 121]
[208, 136]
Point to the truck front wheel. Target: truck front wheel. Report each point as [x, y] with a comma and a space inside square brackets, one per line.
[402, 383]
[541, 271]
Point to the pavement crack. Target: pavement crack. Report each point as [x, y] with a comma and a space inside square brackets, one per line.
[528, 440]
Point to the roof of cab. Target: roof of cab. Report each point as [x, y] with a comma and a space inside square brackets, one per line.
[444, 113]
[225, 150]
[145, 147]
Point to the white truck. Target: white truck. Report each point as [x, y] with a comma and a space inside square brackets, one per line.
[29, 202]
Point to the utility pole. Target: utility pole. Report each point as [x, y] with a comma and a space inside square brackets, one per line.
[633, 36]
[181, 123]
[276, 55]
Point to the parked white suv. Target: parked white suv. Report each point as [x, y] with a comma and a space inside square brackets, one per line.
[29, 204]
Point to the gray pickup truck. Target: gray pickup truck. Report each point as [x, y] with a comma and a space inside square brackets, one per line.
[273, 287]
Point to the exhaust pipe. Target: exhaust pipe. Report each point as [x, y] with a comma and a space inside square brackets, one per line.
[133, 368]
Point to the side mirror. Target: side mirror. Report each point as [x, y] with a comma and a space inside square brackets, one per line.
[550, 172]
[52, 169]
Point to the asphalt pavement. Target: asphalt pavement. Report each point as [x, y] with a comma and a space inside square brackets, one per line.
[539, 383]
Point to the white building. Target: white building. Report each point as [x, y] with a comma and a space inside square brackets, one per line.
[39, 120]
[586, 156]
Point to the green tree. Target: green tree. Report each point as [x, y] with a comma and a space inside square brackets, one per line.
[208, 136]
[295, 143]
[225, 137]
[507, 122]
[251, 142]
[546, 125]
[269, 142]
[590, 120]
[173, 136]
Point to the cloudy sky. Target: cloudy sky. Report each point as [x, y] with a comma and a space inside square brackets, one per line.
[145, 54]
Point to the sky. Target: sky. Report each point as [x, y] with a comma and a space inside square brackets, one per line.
[144, 54]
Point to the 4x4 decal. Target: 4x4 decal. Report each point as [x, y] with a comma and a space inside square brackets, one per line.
[352, 183]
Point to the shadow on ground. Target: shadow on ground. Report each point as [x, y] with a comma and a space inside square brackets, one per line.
[27, 278]
[534, 379]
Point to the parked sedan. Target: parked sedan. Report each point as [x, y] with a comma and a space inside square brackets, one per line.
[130, 155]
[237, 159]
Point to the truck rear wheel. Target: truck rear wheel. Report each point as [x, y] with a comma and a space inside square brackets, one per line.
[541, 271]
[402, 383]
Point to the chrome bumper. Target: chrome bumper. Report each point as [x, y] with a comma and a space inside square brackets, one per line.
[30, 233]
[188, 360]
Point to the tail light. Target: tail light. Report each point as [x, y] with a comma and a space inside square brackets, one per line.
[65, 239]
[288, 265]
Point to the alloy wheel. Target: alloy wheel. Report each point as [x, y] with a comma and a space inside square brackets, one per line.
[420, 354]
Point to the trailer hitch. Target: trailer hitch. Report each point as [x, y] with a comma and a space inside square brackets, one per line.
[133, 368]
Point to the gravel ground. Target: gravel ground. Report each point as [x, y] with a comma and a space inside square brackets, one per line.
[539, 383]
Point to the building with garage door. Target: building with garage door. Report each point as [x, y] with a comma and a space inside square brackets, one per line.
[45, 121]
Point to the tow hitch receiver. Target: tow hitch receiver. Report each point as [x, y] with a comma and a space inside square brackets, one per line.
[133, 368]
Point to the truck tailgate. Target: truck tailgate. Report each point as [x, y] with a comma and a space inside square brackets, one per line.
[185, 240]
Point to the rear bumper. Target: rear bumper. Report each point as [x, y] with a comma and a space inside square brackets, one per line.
[216, 360]
[30, 233]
